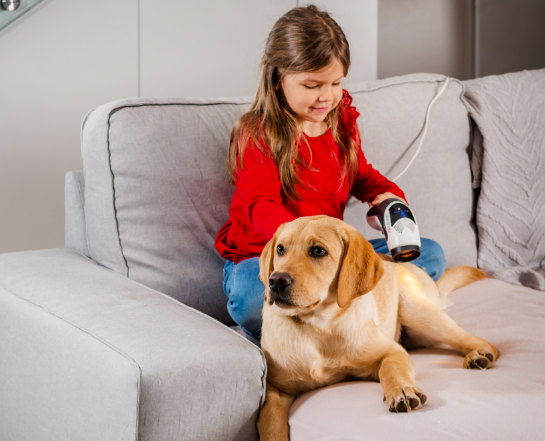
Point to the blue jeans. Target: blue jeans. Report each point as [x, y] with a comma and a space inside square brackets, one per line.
[246, 292]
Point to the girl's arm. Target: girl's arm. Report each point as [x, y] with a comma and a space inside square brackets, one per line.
[260, 188]
[369, 185]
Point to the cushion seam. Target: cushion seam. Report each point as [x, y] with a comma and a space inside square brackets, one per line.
[430, 80]
[113, 198]
[358, 90]
[426, 80]
[124, 106]
[83, 210]
[104, 342]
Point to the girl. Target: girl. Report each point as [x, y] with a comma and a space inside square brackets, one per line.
[297, 152]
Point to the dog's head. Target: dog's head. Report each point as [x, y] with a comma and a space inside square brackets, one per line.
[314, 257]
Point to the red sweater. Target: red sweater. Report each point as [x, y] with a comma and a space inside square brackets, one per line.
[259, 205]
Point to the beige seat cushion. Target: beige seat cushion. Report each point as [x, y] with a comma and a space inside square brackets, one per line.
[503, 403]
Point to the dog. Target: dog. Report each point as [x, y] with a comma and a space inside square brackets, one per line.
[335, 310]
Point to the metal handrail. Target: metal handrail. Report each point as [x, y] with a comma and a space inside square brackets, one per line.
[11, 10]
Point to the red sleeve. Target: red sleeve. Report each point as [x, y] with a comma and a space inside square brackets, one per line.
[260, 187]
[369, 183]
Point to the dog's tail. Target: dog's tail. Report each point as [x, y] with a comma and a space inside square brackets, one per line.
[457, 277]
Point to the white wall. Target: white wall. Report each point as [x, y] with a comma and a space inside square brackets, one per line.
[56, 62]
[359, 21]
[213, 48]
[207, 51]
[66, 57]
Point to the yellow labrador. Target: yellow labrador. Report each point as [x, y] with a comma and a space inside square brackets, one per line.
[336, 310]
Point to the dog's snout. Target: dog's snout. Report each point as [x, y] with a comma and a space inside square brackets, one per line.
[280, 281]
[280, 284]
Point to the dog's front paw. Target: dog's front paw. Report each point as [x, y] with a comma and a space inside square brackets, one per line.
[405, 399]
[480, 359]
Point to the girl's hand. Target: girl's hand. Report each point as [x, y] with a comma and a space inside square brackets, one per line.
[379, 198]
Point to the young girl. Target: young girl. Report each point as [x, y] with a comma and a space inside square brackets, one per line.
[297, 152]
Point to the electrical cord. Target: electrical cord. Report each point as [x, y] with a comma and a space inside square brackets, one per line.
[425, 128]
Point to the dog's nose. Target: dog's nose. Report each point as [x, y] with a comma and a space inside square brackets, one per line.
[280, 281]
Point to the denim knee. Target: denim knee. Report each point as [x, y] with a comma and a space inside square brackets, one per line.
[246, 294]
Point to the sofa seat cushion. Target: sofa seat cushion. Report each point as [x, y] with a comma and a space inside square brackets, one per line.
[502, 403]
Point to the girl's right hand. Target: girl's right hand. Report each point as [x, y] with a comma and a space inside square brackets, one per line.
[380, 197]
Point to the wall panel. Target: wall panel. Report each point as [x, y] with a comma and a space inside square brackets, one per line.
[56, 62]
[206, 48]
[358, 20]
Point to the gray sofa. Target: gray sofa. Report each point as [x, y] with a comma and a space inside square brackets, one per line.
[124, 333]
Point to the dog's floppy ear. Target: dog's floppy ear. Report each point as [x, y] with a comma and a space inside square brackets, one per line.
[266, 259]
[361, 268]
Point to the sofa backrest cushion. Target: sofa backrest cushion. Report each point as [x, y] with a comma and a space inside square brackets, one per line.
[438, 184]
[157, 191]
[509, 163]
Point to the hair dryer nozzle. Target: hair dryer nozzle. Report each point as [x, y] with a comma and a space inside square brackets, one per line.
[406, 253]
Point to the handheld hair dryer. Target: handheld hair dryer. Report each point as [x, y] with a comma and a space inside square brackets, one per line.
[396, 220]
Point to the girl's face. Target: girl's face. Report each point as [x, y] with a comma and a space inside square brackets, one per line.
[312, 95]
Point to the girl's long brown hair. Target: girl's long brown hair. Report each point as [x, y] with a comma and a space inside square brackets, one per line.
[304, 39]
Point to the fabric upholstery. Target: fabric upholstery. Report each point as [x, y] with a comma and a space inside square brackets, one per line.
[509, 160]
[438, 183]
[79, 341]
[74, 227]
[60, 382]
[156, 193]
[503, 403]
[156, 188]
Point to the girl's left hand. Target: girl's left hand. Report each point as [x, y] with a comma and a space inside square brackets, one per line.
[379, 198]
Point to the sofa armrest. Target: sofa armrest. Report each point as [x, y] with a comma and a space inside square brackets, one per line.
[89, 354]
[75, 236]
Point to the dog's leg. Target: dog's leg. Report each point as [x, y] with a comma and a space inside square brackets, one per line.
[273, 418]
[426, 321]
[396, 375]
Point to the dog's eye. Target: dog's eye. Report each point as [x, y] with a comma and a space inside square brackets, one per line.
[319, 251]
[280, 249]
